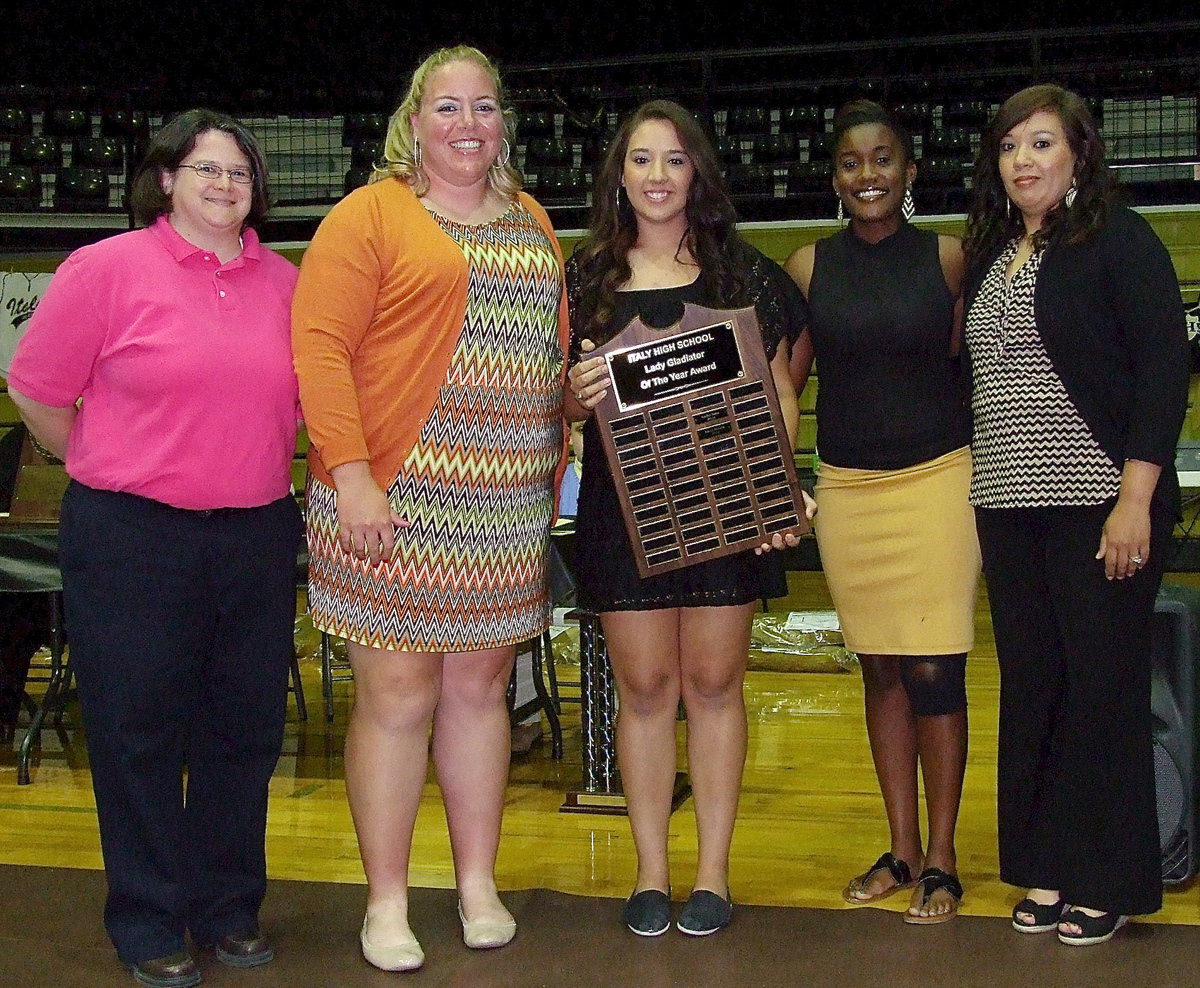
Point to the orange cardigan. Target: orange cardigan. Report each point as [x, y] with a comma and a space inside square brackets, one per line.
[376, 317]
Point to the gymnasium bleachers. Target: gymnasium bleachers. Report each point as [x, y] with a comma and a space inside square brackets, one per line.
[768, 110]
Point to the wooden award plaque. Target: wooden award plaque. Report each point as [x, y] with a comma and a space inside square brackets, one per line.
[694, 435]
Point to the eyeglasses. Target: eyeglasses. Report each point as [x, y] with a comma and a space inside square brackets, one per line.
[213, 172]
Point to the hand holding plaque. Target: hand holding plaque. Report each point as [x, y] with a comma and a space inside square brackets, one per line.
[694, 434]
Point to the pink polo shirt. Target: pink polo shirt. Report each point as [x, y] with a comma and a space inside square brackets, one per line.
[184, 365]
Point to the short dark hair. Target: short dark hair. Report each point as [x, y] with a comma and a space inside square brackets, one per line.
[173, 143]
[863, 111]
[991, 222]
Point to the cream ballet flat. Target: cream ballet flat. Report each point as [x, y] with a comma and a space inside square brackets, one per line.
[404, 956]
[485, 935]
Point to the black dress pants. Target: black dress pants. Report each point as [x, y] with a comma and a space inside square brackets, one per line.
[1075, 786]
[180, 625]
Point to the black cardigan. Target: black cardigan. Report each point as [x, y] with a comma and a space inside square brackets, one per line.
[1110, 315]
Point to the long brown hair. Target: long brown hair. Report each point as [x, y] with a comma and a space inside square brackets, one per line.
[992, 222]
[711, 235]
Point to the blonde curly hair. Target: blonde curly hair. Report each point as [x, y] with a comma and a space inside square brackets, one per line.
[399, 148]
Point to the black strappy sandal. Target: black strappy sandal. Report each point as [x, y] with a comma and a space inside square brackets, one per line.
[934, 880]
[899, 870]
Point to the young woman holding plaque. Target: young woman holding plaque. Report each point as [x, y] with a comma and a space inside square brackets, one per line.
[662, 234]
[897, 536]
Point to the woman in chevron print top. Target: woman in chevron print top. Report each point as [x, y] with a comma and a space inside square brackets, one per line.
[429, 333]
[1080, 369]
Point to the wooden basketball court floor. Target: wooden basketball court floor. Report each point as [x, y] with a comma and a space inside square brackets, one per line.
[810, 815]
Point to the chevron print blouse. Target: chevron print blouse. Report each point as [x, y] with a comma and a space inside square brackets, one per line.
[1031, 448]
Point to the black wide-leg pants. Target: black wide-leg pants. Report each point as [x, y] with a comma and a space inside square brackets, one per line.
[180, 629]
[1075, 786]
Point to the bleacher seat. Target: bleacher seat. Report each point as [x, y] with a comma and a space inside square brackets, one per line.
[917, 118]
[62, 122]
[542, 151]
[807, 177]
[802, 120]
[364, 153]
[535, 123]
[15, 121]
[81, 190]
[967, 113]
[729, 150]
[20, 189]
[750, 180]
[560, 185]
[96, 152]
[129, 124]
[774, 149]
[39, 152]
[363, 127]
[747, 120]
[948, 142]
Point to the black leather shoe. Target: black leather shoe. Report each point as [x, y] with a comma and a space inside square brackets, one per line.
[176, 970]
[248, 948]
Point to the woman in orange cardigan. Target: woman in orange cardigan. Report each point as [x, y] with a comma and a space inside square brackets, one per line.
[429, 332]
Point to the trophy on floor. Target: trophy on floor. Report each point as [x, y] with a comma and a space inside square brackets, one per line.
[694, 433]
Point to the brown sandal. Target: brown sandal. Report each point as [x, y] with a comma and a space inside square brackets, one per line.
[899, 870]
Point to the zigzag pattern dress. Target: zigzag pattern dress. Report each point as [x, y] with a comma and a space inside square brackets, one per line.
[477, 488]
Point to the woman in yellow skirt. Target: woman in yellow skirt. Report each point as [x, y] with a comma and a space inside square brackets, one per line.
[896, 533]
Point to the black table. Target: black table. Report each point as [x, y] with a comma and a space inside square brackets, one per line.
[29, 564]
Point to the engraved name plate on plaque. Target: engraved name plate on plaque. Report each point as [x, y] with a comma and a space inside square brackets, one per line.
[694, 434]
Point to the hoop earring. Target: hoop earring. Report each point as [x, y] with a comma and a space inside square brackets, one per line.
[416, 152]
[505, 154]
[1072, 192]
[908, 208]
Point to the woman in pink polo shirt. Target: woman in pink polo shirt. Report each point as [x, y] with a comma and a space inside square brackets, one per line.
[179, 537]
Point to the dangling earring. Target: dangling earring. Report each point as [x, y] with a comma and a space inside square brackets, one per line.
[1007, 208]
[416, 152]
[505, 154]
[908, 208]
[618, 197]
[1072, 192]
[841, 217]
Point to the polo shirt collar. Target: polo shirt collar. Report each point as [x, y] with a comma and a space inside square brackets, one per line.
[180, 248]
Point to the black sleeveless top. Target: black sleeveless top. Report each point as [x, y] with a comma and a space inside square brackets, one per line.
[890, 395]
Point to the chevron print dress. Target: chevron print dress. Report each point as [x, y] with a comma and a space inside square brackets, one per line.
[477, 488]
[1031, 446]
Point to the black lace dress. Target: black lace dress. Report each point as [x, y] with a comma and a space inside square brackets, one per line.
[606, 571]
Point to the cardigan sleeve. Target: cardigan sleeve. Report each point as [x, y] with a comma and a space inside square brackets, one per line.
[333, 306]
[1144, 292]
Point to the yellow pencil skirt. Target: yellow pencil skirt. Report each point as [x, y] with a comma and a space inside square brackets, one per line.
[901, 556]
